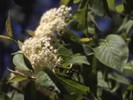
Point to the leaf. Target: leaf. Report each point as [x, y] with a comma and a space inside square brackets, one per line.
[5, 37]
[17, 78]
[76, 1]
[81, 16]
[85, 40]
[20, 44]
[31, 33]
[44, 80]
[76, 59]
[88, 51]
[64, 2]
[20, 63]
[30, 91]
[111, 4]
[74, 87]
[112, 52]
[119, 78]
[8, 26]
[101, 82]
[128, 69]
[120, 8]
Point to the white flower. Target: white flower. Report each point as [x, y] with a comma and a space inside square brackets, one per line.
[40, 49]
[53, 21]
[40, 52]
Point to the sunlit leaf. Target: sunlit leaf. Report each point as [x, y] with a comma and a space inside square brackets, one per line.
[64, 2]
[17, 78]
[111, 4]
[120, 8]
[8, 26]
[86, 39]
[113, 52]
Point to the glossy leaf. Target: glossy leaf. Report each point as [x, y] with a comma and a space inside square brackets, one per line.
[112, 51]
[17, 78]
[19, 62]
[76, 59]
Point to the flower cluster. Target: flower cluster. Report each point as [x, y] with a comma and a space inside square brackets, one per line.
[40, 49]
[53, 21]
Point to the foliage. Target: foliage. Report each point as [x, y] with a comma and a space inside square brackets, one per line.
[95, 66]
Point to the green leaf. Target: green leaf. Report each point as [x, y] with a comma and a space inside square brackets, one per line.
[120, 8]
[76, 1]
[64, 2]
[112, 52]
[17, 78]
[44, 80]
[101, 82]
[20, 44]
[20, 62]
[76, 59]
[74, 87]
[5, 37]
[128, 69]
[8, 26]
[111, 4]
[119, 78]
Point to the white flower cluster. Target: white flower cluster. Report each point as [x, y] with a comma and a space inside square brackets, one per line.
[40, 49]
[53, 21]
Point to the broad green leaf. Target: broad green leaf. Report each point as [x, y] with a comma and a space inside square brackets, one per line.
[112, 52]
[76, 59]
[17, 78]
[119, 78]
[44, 80]
[19, 62]
[120, 8]
[8, 26]
[76, 1]
[31, 33]
[64, 2]
[73, 86]
[111, 4]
